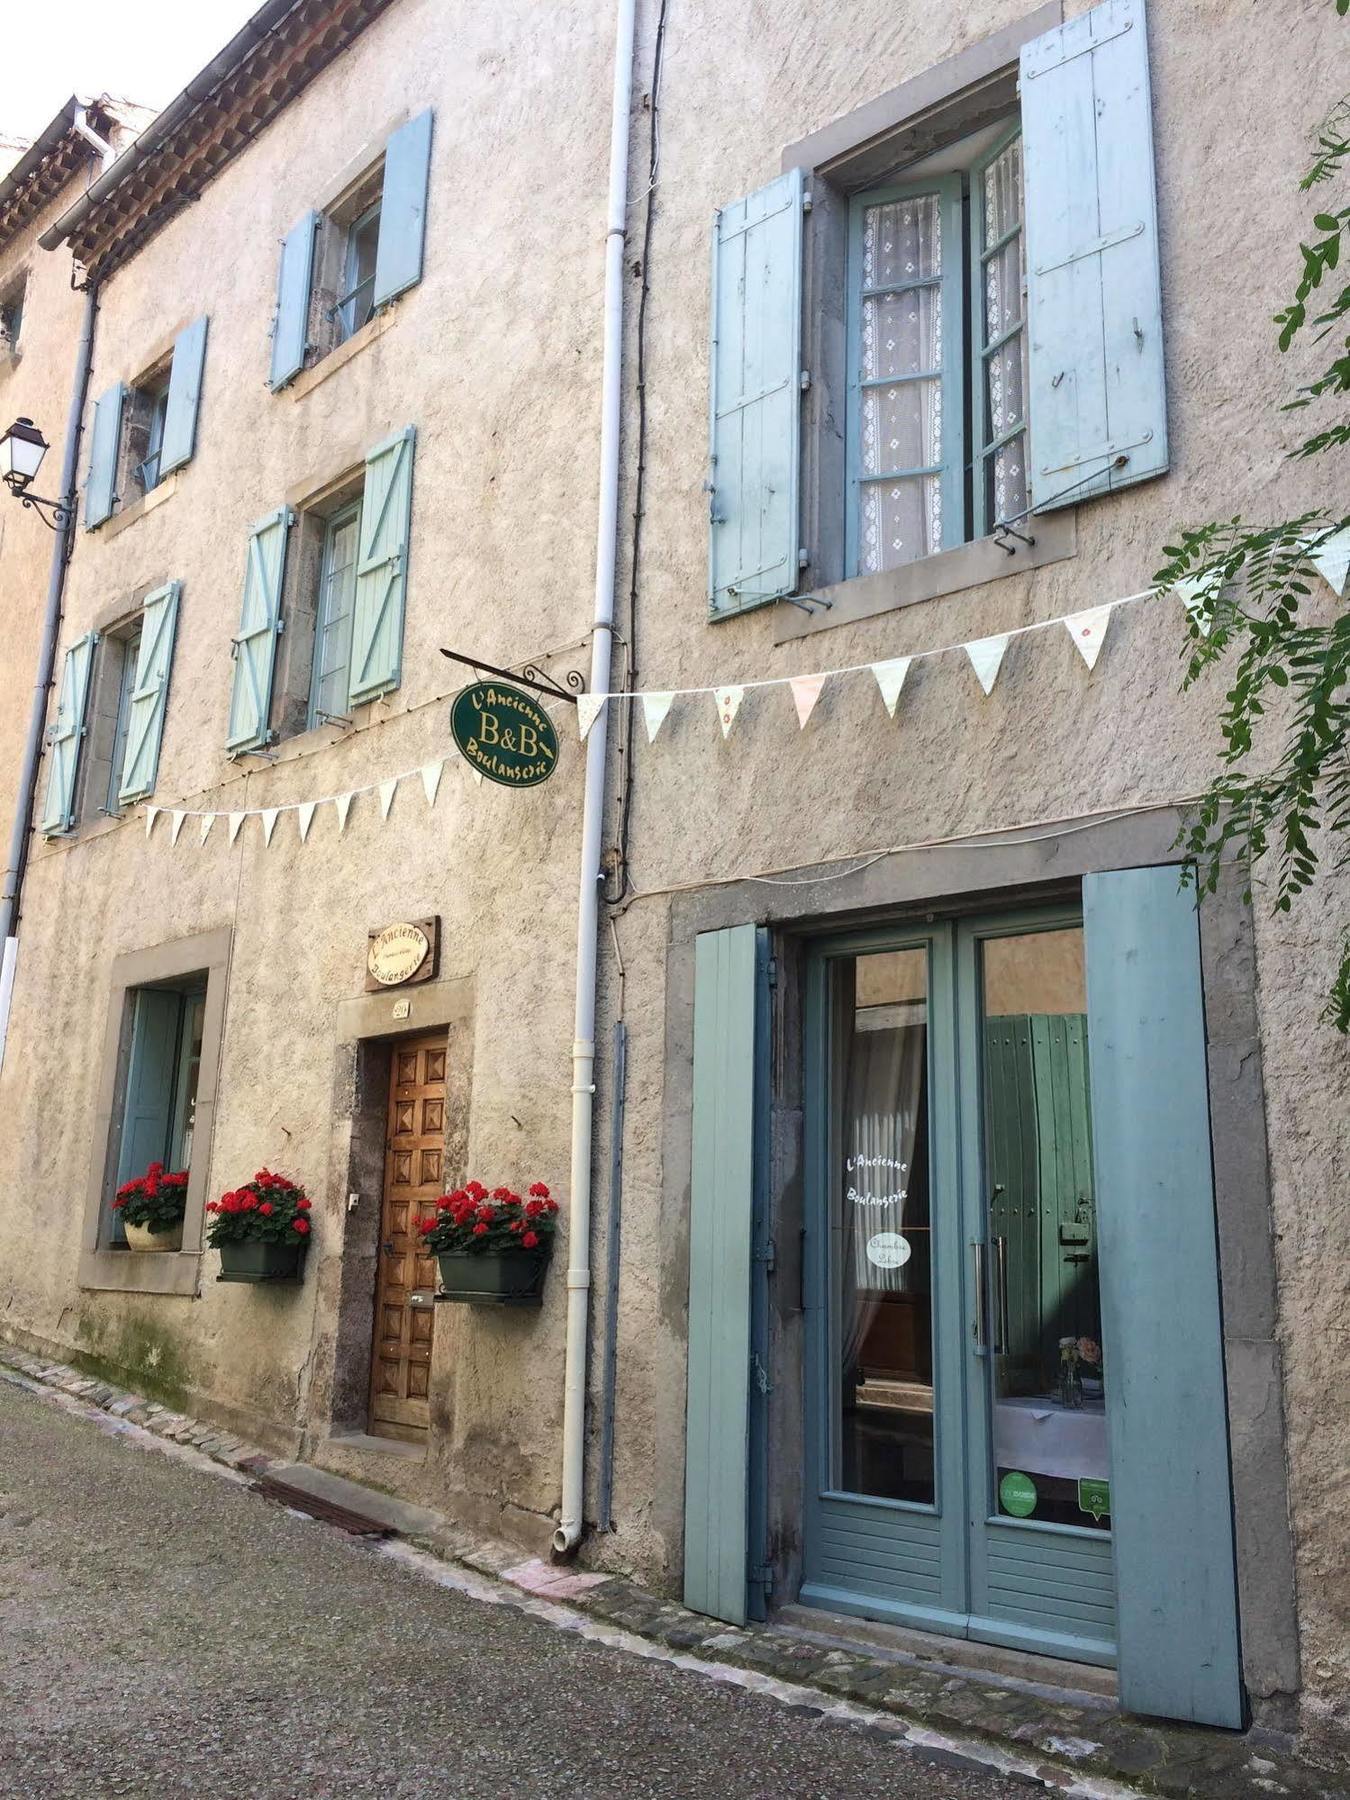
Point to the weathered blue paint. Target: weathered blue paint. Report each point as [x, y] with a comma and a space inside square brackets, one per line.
[65, 737]
[403, 209]
[1093, 288]
[290, 327]
[184, 401]
[149, 693]
[1161, 1330]
[105, 442]
[755, 415]
[382, 567]
[255, 642]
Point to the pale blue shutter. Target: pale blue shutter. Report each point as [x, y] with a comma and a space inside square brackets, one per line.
[149, 694]
[290, 327]
[403, 209]
[755, 430]
[151, 1067]
[382, 567]
[185, 391]
[105, 440]
[255, 643]
[1098, 404]
[1171, 1498]
[65, 736]
[728, 1058]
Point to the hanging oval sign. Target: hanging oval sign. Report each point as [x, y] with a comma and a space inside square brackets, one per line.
[396, 954]
[504, 734]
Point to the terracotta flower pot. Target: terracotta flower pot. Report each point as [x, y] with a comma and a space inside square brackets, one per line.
[254, 1260]
[140, 1237]
[495, 1278]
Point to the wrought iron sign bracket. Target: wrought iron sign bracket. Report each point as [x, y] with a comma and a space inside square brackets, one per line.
[529, 676]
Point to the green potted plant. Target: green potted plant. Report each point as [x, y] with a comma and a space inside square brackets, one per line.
[493, 1248]
[261, 1229]
[152, 1209]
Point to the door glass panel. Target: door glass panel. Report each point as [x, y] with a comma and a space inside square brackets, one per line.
[881, 1334]
[1047, 1403]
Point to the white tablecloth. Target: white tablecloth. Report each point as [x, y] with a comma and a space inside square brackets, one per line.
[1032, 1433]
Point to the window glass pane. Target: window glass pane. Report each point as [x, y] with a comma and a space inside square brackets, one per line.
[900, 425]
[881, 1265]
[362, 243]
[1048, 1402]
[333, 633]
[901, 520]
[130, 648]
[1005, 373]
[190, 1062]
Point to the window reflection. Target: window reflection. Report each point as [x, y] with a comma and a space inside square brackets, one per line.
[880, 1230]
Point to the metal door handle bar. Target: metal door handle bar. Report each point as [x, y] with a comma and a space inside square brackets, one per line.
[1001, 1292]
[981, 1336]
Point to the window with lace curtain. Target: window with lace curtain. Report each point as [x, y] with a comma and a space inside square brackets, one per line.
[937, 425]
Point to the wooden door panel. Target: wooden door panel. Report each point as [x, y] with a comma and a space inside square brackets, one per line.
[413, 1181]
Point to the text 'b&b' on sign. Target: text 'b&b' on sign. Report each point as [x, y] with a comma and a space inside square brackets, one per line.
[504, 734]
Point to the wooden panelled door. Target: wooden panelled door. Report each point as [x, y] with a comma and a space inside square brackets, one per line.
[413, 1181]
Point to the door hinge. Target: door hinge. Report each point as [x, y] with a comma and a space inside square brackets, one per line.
[761, 1576]
[771, 972]
[767, 1255]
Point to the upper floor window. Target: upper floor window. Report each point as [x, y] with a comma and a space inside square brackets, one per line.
[104, 739]
[342, 265]
[937, 364]
[321, 619]
[143, 432]
[11, 314]
[986, 306]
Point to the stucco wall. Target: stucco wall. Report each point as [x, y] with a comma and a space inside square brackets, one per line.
[495, 358]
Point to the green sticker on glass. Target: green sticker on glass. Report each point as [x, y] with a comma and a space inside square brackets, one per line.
[1018, 1494]
[1094, 1497]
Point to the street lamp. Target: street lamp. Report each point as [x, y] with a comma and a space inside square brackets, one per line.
[22, 449]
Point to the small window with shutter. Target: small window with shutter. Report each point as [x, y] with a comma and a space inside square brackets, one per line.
[144, 431]
[342, 263]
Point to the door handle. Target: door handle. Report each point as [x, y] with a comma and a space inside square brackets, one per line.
[1001, 1293]
[388, 1247]
[981, 1335]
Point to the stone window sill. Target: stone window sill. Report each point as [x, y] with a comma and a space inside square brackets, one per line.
[138, 508]
[308, 379]
[136, 1272]
[949, 572]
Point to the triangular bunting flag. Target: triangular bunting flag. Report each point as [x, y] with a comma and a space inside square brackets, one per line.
[236, 820]
[431, 780]
[269, 822]
[890, 679]
[1196, 593]
[654, 710]
[343, 803]
[728, 705]
[151, 814]
[589, 708]
[805, 693]
[304, 817]
[177, 818]
[208, 820]
[387, 795]
[1331, 559]
[1088, 631]
[986, 658]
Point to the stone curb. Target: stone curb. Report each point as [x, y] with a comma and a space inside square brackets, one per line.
[1074, 1743]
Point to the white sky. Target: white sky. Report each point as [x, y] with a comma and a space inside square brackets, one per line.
[142, 50]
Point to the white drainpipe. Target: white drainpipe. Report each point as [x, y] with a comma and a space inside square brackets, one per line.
[80, 122]
[569, 1530]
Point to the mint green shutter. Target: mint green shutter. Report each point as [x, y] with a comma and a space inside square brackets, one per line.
[255, 643]
[1171, 1500]
[65, 736]
[382, 567]
[755, 427]
[718, 1414]
[403, 209]
[105, 440]
[149, 694]
[290, 327]
[185, 391]
[1094, 301]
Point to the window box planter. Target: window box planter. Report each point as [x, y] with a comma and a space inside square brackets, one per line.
[253, 1260]
[494, 1278]
[493, 1248]
[144, 1237]
[261, 1230]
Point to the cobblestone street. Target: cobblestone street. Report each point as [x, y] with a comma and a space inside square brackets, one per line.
[165, 1631]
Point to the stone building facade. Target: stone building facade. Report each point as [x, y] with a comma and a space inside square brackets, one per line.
[920, 961]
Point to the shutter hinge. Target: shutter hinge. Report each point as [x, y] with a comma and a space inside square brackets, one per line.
[805, 379]
[771, 972]
[803, 559]
[768, 1255]
[806, 200]
[761, 1576]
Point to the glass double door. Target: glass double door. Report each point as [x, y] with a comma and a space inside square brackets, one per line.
[957, 1470]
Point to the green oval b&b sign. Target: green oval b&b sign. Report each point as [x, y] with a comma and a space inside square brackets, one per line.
[504, 734]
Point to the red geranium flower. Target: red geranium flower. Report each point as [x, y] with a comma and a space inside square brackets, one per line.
[302, 1205]
[538, 1190]
[300, 1225]
[266, 1207]
[479, 1229]
[530, 1239]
